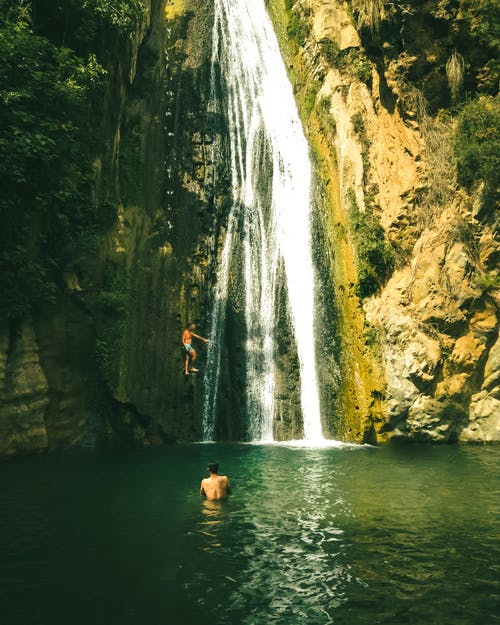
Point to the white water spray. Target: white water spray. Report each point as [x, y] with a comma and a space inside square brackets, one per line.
[270, 215]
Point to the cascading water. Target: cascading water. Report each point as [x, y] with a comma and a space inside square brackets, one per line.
[269, 221]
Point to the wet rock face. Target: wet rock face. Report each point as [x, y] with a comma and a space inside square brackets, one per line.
[24, 391]
[159, 256]
[105, 361]
[51, 393]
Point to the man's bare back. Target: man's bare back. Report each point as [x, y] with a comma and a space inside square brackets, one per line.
[216, 486]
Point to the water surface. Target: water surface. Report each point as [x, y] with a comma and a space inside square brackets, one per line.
[345, 536]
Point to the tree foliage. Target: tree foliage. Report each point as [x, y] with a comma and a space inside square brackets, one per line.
[122, 15]
[477, 141]
[374, 255]
[50, 97]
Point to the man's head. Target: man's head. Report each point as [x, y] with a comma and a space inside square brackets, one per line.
[213, 467]
[192, 326]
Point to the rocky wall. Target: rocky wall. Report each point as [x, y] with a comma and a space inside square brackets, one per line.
[429, 334]
[349, 375]
[103, 363]
[156, 262]
[417, 358]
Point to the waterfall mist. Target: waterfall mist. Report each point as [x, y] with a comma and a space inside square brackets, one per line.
[268, 236]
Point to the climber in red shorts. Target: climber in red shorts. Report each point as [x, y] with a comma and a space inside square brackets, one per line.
[187, 337]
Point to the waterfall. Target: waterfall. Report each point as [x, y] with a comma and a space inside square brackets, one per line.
[269, 221]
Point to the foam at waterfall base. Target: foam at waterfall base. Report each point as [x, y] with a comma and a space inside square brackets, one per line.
[300, 444]
[312, 444]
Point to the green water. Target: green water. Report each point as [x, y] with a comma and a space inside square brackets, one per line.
[345, 536]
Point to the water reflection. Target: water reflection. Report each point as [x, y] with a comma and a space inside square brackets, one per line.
[292, 552]
[339, 536]
[211, 524]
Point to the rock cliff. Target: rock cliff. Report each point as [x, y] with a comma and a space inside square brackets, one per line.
[103, 361]
[426, 307]
[408, 252]
[154, 265]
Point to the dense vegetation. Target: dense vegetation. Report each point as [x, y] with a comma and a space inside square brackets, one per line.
[430, 32]
[374, 254]
[477, 141]
[52, 83]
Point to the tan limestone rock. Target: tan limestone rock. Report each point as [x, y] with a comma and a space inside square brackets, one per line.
[453, 387]
[491, 381]
[484, 419]
[434, 295]
[429, 420]
[467, 352]
[332, 21]
[484, 322]
[438, 314]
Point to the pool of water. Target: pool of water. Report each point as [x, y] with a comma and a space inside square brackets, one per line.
[389, 535]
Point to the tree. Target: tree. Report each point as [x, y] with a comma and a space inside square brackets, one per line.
[47, 95]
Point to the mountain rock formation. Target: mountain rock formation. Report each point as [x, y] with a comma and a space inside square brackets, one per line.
[408, 241]
[381, 98]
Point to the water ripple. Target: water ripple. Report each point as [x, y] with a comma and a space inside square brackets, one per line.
[309, 536]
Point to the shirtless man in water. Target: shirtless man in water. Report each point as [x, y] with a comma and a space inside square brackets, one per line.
[187, 337]
[216, 486]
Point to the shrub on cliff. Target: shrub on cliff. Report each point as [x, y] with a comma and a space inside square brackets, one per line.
[375, 256]
[369, 13]
[297, 29]
[477, 141]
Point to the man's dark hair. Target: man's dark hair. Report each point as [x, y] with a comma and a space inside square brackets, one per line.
[213, 467]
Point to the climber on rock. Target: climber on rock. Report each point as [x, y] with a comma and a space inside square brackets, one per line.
[190, 353]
